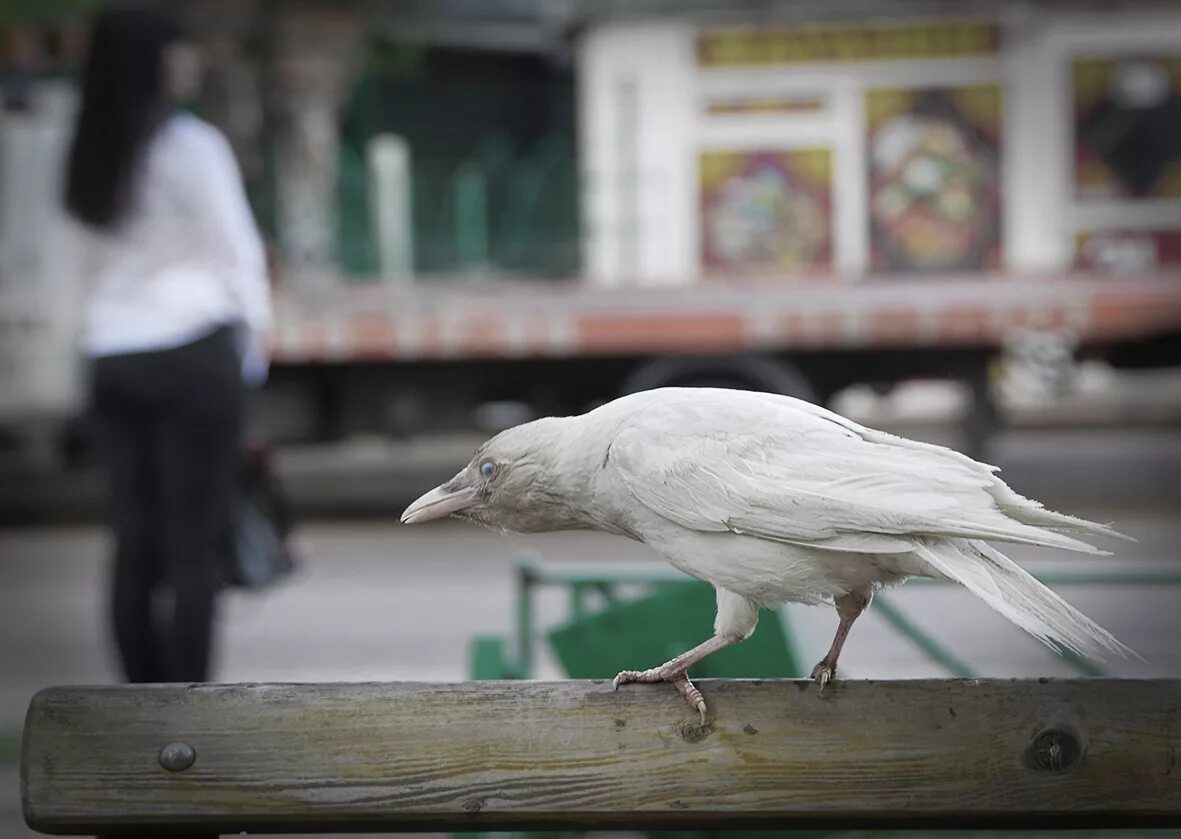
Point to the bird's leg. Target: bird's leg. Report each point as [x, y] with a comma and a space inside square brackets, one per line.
[675, 671]
[736, 619]
[849, 607]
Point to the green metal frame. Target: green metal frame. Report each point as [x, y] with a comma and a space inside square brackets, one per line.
[490, 655]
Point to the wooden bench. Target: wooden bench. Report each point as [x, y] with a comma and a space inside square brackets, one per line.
[210, 759]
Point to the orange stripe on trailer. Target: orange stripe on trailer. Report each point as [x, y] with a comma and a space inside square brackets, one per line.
[828, 329]
[417, 337]
[1113, 314]
[894, 326]
[963, 324]
[621, 333]
[372, 337]
[814, 329]
[482, 334]
[1015, 319]
[537, 335]
[1118, 314]
[1056, 318]
[525, 336]
[792, 328]
[313, 340]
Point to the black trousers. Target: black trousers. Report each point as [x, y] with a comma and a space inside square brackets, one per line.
[168, 429]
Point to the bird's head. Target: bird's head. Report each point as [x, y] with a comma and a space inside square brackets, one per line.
[517, 481]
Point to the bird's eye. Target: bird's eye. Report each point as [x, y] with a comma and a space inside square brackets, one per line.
[488, 469]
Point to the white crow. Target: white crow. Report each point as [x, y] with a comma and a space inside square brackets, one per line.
[771, 499]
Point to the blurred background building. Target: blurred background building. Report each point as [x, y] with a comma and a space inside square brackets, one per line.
[473, 204]
[956, 219]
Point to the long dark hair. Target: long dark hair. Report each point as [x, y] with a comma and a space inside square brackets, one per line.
[123, 100]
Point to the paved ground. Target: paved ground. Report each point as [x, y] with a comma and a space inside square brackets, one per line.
[382, 601]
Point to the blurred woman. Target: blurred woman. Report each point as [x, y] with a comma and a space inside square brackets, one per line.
[179, 307]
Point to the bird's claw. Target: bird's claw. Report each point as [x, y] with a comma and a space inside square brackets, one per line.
[627, 677]
[822, 674]
[677, 677]
[692, 696]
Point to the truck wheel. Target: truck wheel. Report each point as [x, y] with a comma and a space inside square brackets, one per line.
[750, 372]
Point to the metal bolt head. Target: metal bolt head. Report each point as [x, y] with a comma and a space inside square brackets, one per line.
[1054, 750]
[177, 757]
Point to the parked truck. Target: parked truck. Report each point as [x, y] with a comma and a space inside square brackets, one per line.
[404, 360]
[783, 205]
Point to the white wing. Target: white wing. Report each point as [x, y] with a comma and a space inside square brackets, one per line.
[781, 469]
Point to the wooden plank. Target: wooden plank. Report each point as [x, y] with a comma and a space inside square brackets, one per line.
[483, 755]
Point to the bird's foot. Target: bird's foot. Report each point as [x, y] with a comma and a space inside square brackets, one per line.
[676, 676]
[823, 673]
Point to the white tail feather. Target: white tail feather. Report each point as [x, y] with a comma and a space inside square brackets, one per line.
[1030, 512]
[1013, 592]
[1010, 529]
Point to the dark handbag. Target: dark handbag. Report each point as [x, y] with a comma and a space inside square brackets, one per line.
[261, 549]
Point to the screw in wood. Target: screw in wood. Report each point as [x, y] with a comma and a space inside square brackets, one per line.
[177, 757]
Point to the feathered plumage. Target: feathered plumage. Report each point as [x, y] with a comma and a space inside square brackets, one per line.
[773, 499]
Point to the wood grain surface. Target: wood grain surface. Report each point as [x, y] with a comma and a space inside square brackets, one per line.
[485, 755]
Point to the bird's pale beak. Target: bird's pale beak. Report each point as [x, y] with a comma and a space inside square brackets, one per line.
[439, 502]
